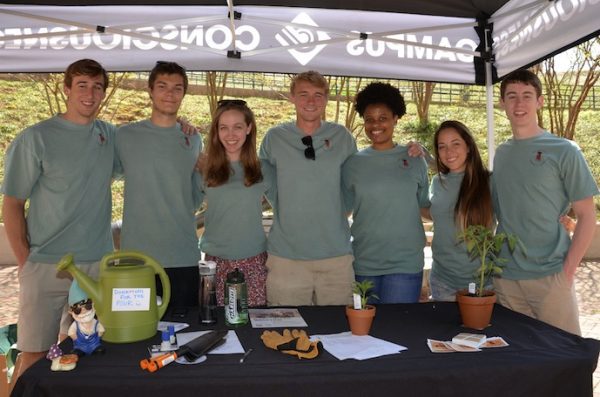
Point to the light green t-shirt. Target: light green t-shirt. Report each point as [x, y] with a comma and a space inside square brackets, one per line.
[65, 171]
[385, 190]
[310, 222]
[233, 223]
[535, 180]
[158, 216]
[451, 261]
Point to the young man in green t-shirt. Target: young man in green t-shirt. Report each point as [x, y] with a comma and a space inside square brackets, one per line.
[537, 178]
[310, 260]
[157, 159]
[63, 167]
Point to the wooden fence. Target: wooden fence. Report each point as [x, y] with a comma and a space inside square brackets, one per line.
[272, 85]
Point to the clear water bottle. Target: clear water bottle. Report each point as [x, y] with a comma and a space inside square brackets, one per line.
[207, 293]
[236, 299]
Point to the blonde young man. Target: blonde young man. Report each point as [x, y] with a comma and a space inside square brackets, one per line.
[310, 259]
[537, 178]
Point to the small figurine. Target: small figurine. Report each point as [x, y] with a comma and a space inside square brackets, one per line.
[60, 361]
[86, 330]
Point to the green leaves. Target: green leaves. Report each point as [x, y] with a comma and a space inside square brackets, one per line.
[363, 288]
[483, 244]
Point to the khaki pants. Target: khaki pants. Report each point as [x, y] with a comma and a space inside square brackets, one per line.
[300, 283]
[43, 294]
[549, 299]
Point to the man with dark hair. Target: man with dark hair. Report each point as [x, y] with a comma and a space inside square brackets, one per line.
[537, 177]
[157, 162]
[63, 167]
[163, 67]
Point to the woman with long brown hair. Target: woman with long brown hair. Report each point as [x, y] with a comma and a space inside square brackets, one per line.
[460, 196]
[234, 182]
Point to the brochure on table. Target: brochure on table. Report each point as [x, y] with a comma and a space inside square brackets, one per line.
[276, 318]
[438, 346]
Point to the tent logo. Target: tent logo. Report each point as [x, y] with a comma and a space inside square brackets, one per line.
[296, 36]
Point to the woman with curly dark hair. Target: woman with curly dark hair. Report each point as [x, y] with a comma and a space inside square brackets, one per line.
[385, 188]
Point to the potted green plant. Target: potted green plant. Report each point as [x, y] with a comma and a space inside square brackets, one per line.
[360, 314]
[477, 303]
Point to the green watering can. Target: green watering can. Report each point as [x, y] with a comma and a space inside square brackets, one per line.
[125, 295]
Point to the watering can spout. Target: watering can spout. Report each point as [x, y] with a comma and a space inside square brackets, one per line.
[86, 282]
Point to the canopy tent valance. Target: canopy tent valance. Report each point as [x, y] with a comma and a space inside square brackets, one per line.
[414, 40]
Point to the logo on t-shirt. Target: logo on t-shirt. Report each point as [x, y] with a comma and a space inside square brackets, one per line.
[405, 164]
[186, 142]
[101, 138]
[538, 157]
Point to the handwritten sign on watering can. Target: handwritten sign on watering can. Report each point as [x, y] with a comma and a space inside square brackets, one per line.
[130, 299]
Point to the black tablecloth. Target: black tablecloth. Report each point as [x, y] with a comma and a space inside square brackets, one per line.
[540, 361]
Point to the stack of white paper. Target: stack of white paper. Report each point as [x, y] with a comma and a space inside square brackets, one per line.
[345, 345]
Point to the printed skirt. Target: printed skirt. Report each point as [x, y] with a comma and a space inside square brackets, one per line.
[255, 274]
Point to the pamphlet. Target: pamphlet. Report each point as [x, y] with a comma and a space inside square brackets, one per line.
[276, 318]
[496, 341]
[438, 346]
[472, 340]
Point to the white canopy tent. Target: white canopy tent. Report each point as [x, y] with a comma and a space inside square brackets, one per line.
[459, 41]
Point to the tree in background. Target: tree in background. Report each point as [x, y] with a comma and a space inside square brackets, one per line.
[52, 84]
[422, 94]
[53, 90]
[565, 93]
[344, 94]
[216, 82]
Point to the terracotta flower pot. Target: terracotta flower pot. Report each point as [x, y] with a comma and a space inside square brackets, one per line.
[476, 312]
[360, 320]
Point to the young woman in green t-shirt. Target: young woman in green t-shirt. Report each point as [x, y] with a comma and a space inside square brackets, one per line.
[460, 196]
[234, 182]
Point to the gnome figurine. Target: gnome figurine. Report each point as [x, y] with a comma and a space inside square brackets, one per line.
[86, 330]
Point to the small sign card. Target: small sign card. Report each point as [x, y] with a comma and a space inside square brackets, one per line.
[130, 299]
[276, 318]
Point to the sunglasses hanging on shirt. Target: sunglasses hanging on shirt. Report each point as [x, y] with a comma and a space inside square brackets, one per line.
[309, 152]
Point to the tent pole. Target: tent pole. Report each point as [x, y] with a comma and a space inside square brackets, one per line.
[489, 91]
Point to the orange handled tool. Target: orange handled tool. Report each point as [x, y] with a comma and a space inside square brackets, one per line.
[191, 351]
[153, 364]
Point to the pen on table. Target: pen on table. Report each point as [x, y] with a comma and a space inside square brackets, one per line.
[246, 354]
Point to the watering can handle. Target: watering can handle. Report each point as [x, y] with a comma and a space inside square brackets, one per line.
[158, 269]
